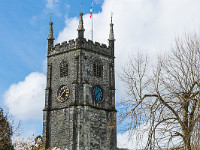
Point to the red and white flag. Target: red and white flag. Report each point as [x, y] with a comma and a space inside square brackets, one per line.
[91, 12]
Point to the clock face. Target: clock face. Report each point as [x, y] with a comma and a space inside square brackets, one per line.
[63, 93]
[97, 93]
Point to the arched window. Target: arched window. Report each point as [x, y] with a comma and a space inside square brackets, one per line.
[63, 69]
[98, 69]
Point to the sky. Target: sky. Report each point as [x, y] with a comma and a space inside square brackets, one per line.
[149, 26]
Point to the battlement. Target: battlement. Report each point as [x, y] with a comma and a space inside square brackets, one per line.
[81, 44]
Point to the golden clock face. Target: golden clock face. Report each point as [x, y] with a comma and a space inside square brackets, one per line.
[63, 93]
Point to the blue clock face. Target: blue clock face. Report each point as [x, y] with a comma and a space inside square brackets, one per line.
[97, 93]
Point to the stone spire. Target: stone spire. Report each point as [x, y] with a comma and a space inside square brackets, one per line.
[50, 37]
[111, 35]
[81, 27]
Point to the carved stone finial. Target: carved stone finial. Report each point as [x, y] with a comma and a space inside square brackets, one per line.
[50, 37]
[111, 35]
[80, 26]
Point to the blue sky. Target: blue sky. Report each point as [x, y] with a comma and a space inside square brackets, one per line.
[139, 25]
[24, 29]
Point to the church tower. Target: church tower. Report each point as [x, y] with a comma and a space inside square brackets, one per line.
[79, 108]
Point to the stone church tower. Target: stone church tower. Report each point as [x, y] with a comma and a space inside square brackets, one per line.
[79, 108]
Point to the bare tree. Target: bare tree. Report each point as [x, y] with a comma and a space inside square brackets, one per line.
[166, 98]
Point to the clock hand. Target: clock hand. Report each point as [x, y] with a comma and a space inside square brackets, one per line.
[97, 93]
[62, 93]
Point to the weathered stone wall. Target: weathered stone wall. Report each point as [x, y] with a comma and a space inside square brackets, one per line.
[81, 79]
[83, 128]
[80, 123]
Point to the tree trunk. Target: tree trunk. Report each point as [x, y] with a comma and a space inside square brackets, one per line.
[187, 145]
[185, 129]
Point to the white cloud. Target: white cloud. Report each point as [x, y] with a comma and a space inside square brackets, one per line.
[139, 25]
[144, 24]
[138, 137]
[25, 99]
[51, 3]
[125, 140]
[53, 6]
[149, 25]
[133, 140]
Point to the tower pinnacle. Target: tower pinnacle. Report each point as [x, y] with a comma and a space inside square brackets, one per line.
[50, 37]
[111, 35]
[81, 27]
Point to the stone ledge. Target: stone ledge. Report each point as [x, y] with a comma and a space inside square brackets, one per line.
[52, 109]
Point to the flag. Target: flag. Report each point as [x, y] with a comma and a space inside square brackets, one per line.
[91, 12]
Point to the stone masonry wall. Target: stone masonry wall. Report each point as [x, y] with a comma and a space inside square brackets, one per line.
[82, 128]
[80, 122]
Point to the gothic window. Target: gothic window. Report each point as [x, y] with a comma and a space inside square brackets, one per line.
[63, 69]
[98, 69]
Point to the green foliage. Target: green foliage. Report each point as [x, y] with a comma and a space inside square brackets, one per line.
[5, 132]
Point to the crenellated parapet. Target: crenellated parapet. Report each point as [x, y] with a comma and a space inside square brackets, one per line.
[76, 44]
[80, 42]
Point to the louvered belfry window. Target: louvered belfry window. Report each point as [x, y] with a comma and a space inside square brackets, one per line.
[63, 69]
[98, 68]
